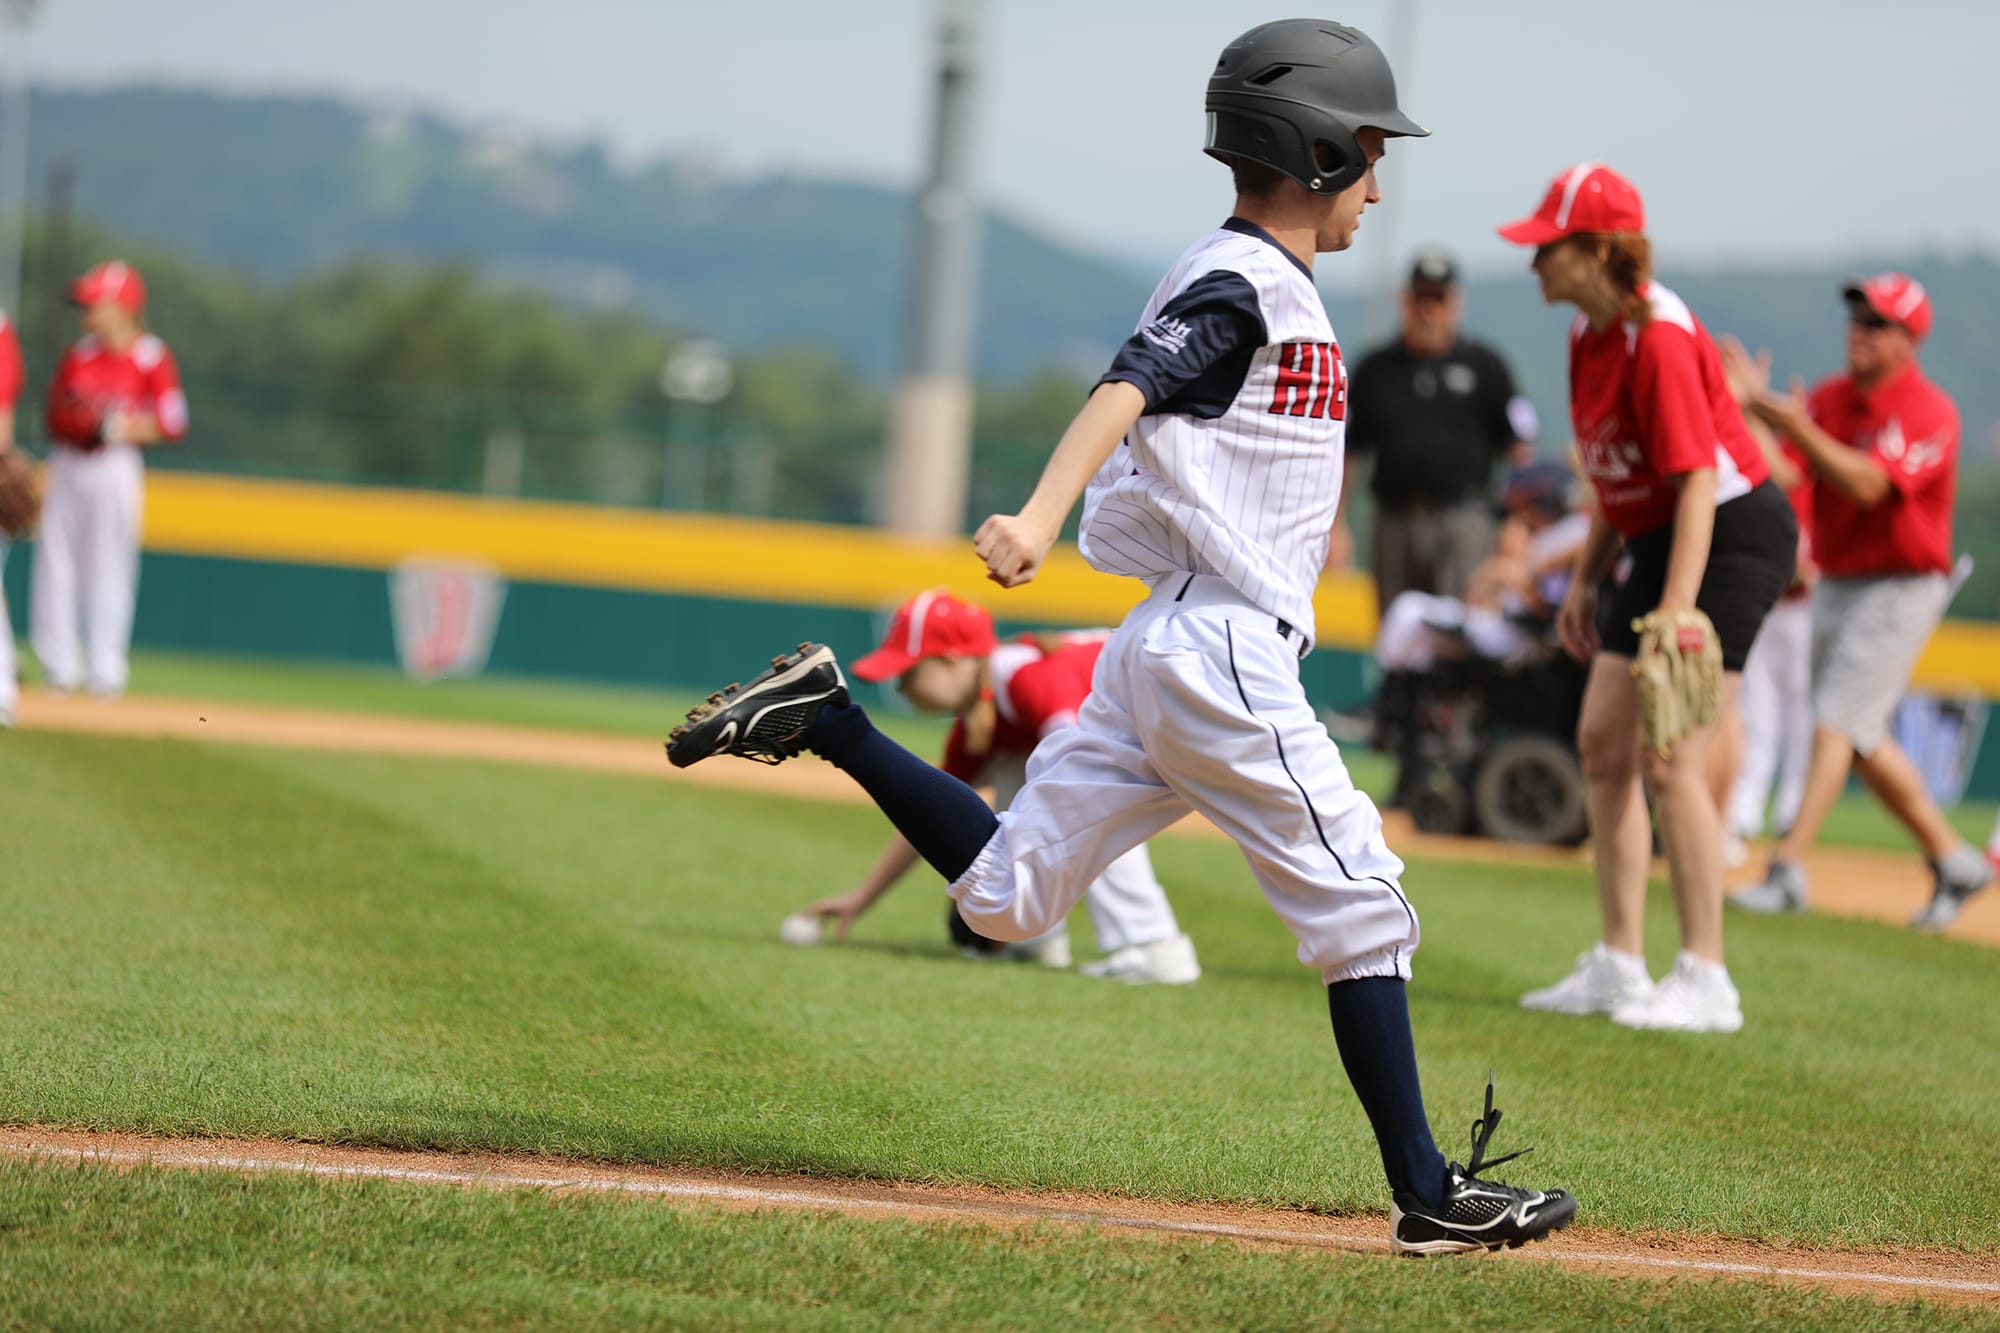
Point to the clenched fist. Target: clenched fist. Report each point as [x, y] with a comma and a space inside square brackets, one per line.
[1013, 548]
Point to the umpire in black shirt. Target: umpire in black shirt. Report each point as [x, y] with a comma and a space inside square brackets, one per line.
[1436, 411]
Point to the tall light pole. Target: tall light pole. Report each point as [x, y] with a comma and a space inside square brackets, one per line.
[16, 17]
[930, 426]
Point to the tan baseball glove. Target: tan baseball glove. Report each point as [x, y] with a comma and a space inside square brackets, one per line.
[20, 493]
[1679, 669]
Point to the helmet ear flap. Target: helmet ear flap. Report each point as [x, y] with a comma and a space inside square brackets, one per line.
[1339, 166]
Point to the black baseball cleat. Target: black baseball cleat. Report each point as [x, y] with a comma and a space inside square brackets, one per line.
[767, 719]
[1477, 1214]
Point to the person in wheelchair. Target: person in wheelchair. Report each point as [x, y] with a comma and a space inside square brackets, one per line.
[1509, 609]
[1477, 703]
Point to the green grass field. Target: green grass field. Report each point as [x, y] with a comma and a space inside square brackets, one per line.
[441, 954]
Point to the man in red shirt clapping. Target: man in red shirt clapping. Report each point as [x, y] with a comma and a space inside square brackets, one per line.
[1882, 443]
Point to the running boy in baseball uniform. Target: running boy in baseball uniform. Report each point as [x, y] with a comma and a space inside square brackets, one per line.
[1212, 454]
[1005, 699]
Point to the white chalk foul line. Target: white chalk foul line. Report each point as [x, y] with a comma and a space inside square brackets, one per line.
[168, 1156]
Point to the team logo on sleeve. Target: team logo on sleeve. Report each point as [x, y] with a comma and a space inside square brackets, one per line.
[1170, 335]
[1312, 382]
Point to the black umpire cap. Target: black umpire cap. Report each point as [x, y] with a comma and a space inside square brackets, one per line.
[1434, 268]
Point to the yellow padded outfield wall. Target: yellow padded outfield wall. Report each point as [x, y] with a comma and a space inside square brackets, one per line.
[735, 558]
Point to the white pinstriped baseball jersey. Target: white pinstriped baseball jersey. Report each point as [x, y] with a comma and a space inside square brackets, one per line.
[1237, 475]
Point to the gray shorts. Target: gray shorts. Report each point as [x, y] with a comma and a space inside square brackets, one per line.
[1866, 637]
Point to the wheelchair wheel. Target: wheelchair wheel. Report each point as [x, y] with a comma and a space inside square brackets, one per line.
[1530, 789]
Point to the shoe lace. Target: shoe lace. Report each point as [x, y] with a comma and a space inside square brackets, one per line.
[1482, 1133]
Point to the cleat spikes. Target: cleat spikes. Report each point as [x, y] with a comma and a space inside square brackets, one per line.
[767, 719]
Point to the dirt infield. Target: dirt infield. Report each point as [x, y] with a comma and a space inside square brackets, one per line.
[1887, 1275]
[1880, 886]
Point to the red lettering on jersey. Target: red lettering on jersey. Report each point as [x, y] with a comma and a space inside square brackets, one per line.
[1312, 381]
[1297, 367]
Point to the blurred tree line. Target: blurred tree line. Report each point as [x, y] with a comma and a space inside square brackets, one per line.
[402, 374]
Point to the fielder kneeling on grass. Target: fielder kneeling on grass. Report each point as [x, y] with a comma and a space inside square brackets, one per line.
[945, 657]
[1212, 451]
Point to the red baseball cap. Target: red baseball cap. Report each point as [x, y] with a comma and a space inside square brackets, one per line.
[114, 280]
[931, 624]
[1588, 197]
[1896, 297]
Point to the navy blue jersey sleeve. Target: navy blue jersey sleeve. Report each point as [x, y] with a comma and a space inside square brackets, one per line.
[1194, 356]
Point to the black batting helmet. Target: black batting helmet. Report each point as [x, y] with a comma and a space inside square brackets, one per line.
[1284, 90]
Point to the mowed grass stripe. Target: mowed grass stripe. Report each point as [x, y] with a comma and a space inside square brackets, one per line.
[92, 1246]
[436, 954]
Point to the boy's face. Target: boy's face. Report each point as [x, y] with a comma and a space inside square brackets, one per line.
[941, 684]
[1343, 214]
[107, 321]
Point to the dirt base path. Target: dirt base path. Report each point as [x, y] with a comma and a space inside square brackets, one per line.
[1880, 886]
[1897, 1275]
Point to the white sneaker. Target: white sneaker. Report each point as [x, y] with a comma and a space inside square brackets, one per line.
[1697, 996]
[1167, 962]
[1604, 979]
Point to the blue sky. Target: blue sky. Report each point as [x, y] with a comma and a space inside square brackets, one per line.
[1765, 130]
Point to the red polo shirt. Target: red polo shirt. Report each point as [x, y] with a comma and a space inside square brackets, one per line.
[1649, 403]
[1909, 427]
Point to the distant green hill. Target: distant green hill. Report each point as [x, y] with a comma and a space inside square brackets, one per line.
[280, 186]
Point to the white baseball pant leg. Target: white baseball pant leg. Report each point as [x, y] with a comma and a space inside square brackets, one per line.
[1197, 704]
[1775, 703]
[86, 576]
[1128, 905]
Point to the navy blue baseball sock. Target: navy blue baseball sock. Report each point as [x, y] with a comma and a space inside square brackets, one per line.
[945, 820]
[1371, 1025]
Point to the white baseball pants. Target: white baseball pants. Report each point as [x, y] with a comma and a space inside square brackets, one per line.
[1776, 706]
[86, 575]
[1127, 903]
[1197, 705]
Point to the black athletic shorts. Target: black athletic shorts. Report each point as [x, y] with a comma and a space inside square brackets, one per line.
[1750, 561]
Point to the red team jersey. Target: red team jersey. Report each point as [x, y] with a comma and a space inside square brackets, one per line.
[11, 372]
[1649, 403]
[93, 382]
[1910, 427]
[1035, 692]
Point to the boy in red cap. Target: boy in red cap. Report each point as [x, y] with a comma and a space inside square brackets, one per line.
[116, 392]
[944, 656]
[1882, 443]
